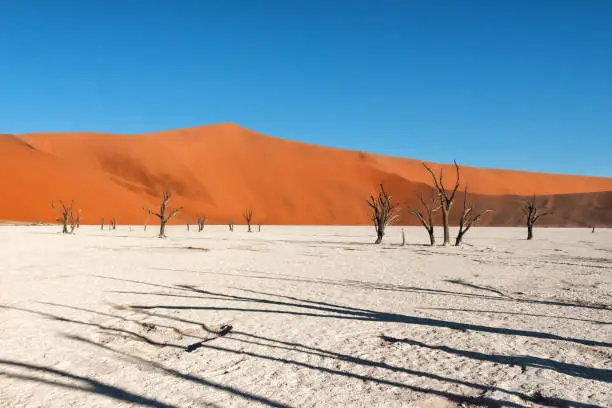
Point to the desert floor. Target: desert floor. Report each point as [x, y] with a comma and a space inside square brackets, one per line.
[319, 315]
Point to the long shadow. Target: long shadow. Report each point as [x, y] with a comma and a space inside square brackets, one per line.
[479, 400]
[89, 385]
[348, 283]
[515, 313]
[478, 287]
[98, 387]
[401, 288]
[124, 319]
[574, 370]
[123, 332]
[188, 377]
[304, 308]
[262, 341]
[293, 347]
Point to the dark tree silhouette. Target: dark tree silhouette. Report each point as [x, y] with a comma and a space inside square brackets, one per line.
[426, 216]
[446, 197]
[201, 223]
[533, 214]
[248, 217]
[73, 222]
[469, 217]
[230, 224]
[163, 217]
[383, 212]
[77, 220]
[65, 214]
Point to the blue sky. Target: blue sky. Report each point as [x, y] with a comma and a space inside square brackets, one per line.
[502, 84]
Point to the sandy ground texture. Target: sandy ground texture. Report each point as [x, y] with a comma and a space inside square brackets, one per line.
[318, 315]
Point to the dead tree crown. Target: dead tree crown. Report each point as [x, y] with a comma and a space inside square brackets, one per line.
[384, 212]
[163, 217]
[65, 215]
[248, 216]
[533, 214]
[201, 223]
[425, 216]
[469, 217]
[445, 196]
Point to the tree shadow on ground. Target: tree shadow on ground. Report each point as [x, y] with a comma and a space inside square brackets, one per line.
[574, 370]
[262, 343]
[304, 307]
[348, 283]
[83, 384]
[514, 313]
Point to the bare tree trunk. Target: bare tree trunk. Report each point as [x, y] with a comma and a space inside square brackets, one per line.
[529, 231]
[403, 238]
[432, 238]
[445, 225]
[379, 235]
[459, 239]
[248, 216]
[162, 229]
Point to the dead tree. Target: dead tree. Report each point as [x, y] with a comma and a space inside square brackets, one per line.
[403, 238]
[469, 217]
[73, 222]
[77, 220]
[533, 213]
[65, 214]
[201, 223]
[593, 230]
[113, 224]
[446, 197]
[147, 218]
[383, 212]
[248, 217]
[102, 224]
[426, 216]
[163, 217]
[258, 227]
[187, 227]
[230, 224]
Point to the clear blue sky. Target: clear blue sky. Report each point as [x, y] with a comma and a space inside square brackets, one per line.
[503, 84]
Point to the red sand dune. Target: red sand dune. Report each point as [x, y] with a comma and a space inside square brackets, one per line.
[220, 170]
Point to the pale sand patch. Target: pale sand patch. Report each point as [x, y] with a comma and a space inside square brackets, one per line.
[319, 316]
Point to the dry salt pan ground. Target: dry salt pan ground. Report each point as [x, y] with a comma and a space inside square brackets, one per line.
[318, 316]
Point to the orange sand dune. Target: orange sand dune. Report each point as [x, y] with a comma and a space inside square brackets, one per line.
[220, 170]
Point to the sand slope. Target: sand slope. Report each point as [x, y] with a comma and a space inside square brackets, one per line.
[219, 170]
